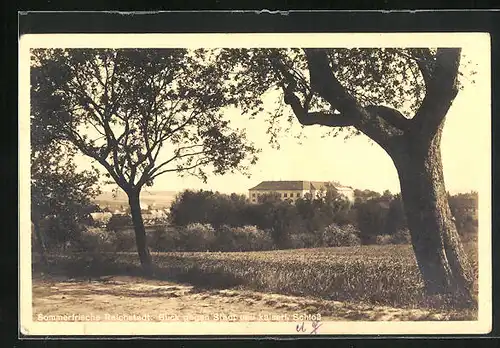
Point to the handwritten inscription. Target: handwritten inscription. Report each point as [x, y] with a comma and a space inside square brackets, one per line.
[312, 329]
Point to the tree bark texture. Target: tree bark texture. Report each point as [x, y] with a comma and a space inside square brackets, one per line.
[442, 261]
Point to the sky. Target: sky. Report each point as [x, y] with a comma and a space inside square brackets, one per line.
[357, 161]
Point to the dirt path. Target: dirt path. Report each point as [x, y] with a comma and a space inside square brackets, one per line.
[120, 298]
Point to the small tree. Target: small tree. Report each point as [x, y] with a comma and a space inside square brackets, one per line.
[396, 219]
[59, 192]
[371, 219]
[122, 107]
[190, 207]
[464, 209]
[119, 222]
[270, 197]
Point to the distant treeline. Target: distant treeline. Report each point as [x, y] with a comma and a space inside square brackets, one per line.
[206, 220]
[372, 213]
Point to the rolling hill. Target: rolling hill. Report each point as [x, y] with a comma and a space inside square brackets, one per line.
[161, 199]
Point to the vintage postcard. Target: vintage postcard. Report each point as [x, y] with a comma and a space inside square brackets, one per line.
[255, 184]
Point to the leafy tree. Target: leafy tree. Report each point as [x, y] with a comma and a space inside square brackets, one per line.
[189, 207]
[207, 207]
[270, 197]
[60, 194]
[397, 97]
[280, 217]
[119, 222]
[361, 196]
[396, 219]
[335, 206]
[328, 207]
[371, 218]
[464, 209]
[140, 113]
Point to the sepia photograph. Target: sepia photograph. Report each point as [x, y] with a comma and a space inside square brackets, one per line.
[255, 184]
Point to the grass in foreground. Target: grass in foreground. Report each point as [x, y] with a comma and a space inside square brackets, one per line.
[379, 275]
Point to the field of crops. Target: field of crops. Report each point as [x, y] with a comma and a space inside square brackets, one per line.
[375, 274]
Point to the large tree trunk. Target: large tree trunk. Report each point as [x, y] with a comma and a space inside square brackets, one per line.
[140, 232]
[444, 265]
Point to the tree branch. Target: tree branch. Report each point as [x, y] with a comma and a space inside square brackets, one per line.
[307, 118]
[422, 57]
[80, 143]
[324, 82]
[440, 92]
[390, 115]
[198, 163]
[177, 155]
[377, 122]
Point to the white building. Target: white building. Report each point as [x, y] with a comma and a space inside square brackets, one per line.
[293, 190]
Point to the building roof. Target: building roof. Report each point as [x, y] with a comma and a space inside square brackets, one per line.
[282, 185]
[293, 185]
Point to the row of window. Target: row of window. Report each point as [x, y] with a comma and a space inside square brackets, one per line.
[284, 195]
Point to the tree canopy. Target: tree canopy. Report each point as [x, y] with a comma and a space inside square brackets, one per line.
[140, 113]
[397, 97]
[123, 107]
[391, 84]
[59, 190]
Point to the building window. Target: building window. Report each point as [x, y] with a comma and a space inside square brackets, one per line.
[284, 195]
[253, 200]
[298, 194]
[253, 194]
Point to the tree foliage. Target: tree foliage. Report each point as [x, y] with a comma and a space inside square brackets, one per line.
[464, 207]
[397, 97]
[140, 113]
[207, 207]
[390, 82]
[60, 193]
[122, 107]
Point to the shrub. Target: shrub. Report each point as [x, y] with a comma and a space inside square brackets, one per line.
[165, 238]
[335, 236]
[196, 237]
[253, 238]
[97, 240]
[400, 237]
[246, 238]
[118, 222]
[225, 239]
[58, 232]
[383, 239]
[124, 240]
[303, 240]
